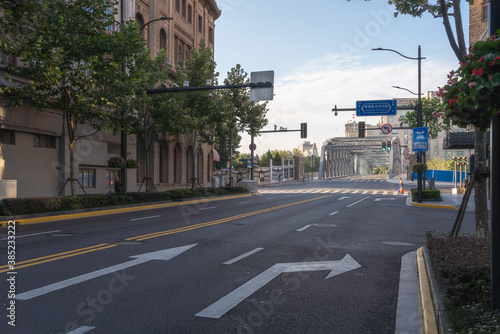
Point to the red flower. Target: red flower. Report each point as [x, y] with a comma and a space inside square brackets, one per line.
[497, 58]
[492, 63]
[451, 102]
[481, 59]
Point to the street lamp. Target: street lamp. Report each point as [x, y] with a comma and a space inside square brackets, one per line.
[419, 106]
[409, 91]
[123, 134]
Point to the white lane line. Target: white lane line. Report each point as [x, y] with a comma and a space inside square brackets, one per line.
[303, 228]
[361, 200]
[355, 191]
[272, 197]
[364, 192]
[150, 217]
[81, 330]
[30, 235]
[375, 192]
[236, 259]
[385, 193]
[246, 202]
[333, 213]
[209, 208]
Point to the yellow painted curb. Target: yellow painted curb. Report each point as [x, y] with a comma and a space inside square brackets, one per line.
[434, 206]
[26, 221]
[428, 311]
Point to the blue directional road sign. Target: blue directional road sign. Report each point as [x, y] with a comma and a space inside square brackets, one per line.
[420, 139]
[376, 108]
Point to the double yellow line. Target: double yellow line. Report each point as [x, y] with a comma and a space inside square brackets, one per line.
[63, 255]
[219, 221]
[54, 257]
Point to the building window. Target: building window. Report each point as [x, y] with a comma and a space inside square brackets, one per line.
[7, 137]
[163, 39]
[201, 169]
[211, 35]
[189, 165]
[86, 177]
[163, 163]
[140, 22]
[484, 11]
[178, 5]
[177, 163]
[200, 24]
[44, 141]
[111, 176]
[190, 14]
[184, 8]
[7, 59]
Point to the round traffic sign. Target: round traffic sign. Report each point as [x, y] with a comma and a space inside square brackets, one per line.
[407, 161]
[407, 150]
[407, 156]
[395, 143]
[252, 147]
[386, 129]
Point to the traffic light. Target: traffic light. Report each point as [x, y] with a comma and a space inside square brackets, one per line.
[388, 145]
[361, 129]
[303, 130]
[383, 146]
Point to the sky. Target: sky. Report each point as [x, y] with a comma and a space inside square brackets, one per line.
[320, 52]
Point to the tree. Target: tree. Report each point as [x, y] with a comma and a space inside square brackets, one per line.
[446, 9]
[151, 117]
[431, 117]
[200, 108]
[238, 112]
[70, 61]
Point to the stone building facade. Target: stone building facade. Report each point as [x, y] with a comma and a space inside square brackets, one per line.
[478, 21]
[33, 143]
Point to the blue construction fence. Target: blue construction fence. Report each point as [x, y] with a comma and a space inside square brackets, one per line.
[442, 175]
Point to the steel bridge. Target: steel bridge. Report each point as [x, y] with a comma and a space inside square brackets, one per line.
[343, 156]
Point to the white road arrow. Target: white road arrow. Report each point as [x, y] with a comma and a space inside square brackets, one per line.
[163, 255]
[226, 303]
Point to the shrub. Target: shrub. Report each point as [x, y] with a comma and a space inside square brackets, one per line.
[150, 197]
[178, 194]
[462, 268]
[426, 194]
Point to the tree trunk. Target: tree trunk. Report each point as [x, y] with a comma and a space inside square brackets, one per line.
[72, 167]
[480, 188]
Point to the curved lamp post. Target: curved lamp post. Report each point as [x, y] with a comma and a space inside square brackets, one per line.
[419, 106]
[123, 134]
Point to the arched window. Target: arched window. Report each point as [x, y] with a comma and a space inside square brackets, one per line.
[189, 166]
[200, 166]
[140, 22]
[177, 163]
[163, 39]
[209, 166]
[163, 163]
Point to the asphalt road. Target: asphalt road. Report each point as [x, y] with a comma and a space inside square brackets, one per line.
[319, 257]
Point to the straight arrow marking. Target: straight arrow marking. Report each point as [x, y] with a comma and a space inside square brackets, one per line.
[163, 255]
[226, 303]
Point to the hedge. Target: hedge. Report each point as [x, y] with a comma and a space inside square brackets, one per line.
[32, 205]
[426, 194]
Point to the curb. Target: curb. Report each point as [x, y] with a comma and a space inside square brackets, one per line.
[68, 215]
[437, 206]
[429, 317]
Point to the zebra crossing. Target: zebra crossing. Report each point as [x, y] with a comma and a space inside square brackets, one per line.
[350, 180]
[331, 191]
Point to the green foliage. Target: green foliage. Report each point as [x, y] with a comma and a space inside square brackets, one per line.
[381, 170]
[440, 164]
[307, 164]
[419, 168]
[431, 116]
[462, 268]
[426, 194]
[472, 93]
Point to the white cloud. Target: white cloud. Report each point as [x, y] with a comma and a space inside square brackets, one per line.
[309, 93]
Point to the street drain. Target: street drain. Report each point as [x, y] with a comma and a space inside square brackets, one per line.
[62, 234]
[129, 243]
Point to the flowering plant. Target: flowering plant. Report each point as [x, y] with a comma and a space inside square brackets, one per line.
[472, 93]
[131, 163]
[419, 168]
[116, 162]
